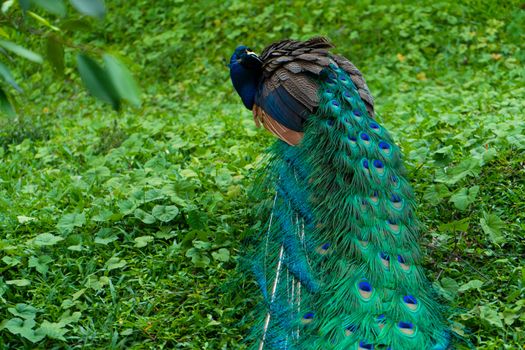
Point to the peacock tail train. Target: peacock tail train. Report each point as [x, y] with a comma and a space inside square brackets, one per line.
[338, 261]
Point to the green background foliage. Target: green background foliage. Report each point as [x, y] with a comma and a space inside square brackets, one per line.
[121, 230]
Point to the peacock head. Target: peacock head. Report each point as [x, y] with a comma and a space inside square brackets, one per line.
[245, 72]
[246, 57]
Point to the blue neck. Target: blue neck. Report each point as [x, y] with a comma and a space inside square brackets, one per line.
[245, 81]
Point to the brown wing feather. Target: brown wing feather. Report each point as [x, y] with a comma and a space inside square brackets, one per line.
[289, 136]
[294, 66]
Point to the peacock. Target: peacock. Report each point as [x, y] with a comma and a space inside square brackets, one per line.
[337, 260]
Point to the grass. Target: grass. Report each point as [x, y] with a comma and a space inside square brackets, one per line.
[122, 230]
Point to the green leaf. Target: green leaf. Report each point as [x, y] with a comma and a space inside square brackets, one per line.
[68, 222]
[127, 207]
[464, 197]
[105, 236]
[115, 263]
[122, 79]
[474, 284]
[92, 8]
[21, 51]
[43, 21]
[490, 315]
[197, 257]
[95, 283]
[23, 328]
[8, 77]
[144, 217]
[19, 283]
[10, 261]
[40, 263]
[97, 81]
[46, 239]
[165, 213]
[56, 7]
[23, 310]
[5, 105]
[222, 254]
[55, 54]
[492, 225]
[517, 141]
[68, 318]
[52, 330]
[143, 241]
[153, 195]
[22, 219]
[436, 193]
[468, 167]
[450, 287]
[455, 226]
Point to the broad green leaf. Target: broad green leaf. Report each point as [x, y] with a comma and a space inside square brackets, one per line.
[95, 283]
[92, 8]
[450, 287]
[55, 54]
[5, 105]
[40, 263]
[46, 239]
[127, 207]
[435, 193]
[144, 217]
[68, 222]
[468, 167]
[105, 236]
[197, 257]
[489, 314]
[222, 254]
[23, 310]
[115, 263]
[21, 51]
[464, 197]
[165, 213]
[103, 215]
[56, 7]
[455, 226]
[97, 81]
[153, 195]
[492, 225]
[474, 284]
[197, 220]
[19, 283]
[10, 261]
[8, 77]
[52, 330]
[201, 245]
[22, 219]
[517, 141]
[23, 328]
[143, 241]
[68, 318]
[122, 79]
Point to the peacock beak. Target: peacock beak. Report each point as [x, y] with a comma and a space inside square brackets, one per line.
[254, 55]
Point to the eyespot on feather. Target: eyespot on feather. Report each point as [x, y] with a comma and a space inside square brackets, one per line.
[365, 346]
[365, 289]
[406, 328]
[307, 318]
[410, 302]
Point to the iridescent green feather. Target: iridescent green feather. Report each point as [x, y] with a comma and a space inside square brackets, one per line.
[342, 239]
